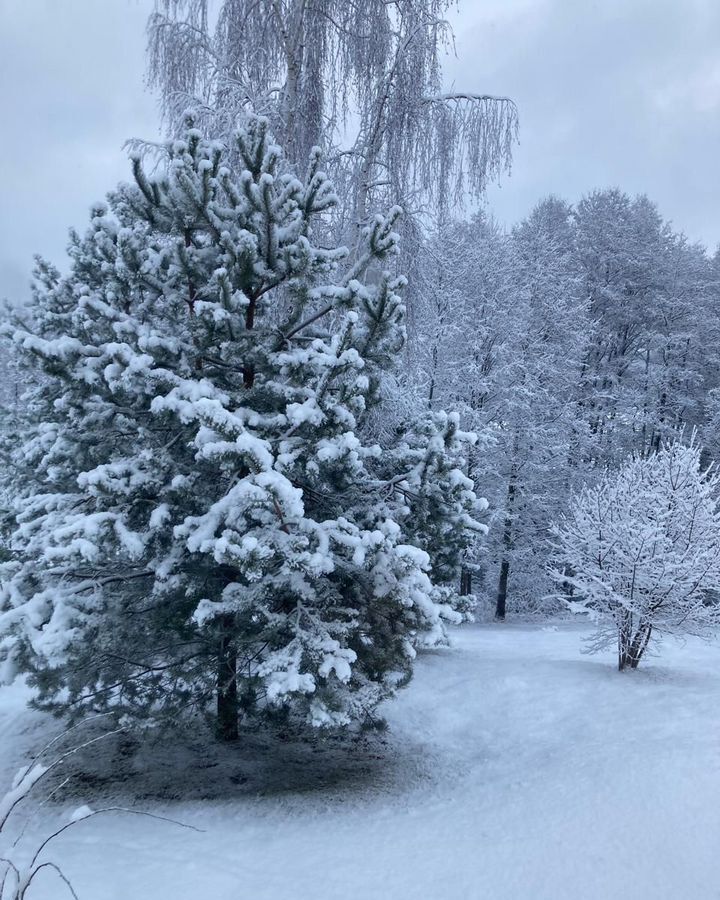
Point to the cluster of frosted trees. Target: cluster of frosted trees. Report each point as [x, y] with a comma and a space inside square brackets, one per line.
[584, 335]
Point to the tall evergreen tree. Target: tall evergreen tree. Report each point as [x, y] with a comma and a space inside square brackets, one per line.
[200, 508]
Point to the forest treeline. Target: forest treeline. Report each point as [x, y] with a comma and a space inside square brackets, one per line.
[584, 334]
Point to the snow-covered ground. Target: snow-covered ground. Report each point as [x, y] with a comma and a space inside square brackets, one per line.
[515, 767]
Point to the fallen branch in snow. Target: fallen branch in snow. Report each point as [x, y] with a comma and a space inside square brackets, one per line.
[17, 876]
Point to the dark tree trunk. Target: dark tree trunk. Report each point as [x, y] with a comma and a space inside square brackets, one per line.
[501, 600]
[500, 603]
[228, 708]
[227, 688]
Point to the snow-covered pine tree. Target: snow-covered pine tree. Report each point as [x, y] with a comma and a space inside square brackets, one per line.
[200, 511]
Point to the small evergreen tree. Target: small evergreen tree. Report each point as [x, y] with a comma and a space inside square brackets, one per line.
[201, 509]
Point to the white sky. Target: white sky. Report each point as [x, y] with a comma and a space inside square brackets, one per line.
[610, 93]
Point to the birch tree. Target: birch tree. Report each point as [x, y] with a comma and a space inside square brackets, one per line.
[362, 79]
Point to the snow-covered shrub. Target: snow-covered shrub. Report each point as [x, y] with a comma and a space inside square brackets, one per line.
[641, 551]
[200, 508]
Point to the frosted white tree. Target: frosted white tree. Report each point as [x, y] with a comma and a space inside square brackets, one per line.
[651, 357]
[536, 420]
[641, 551]
[360, 78]
[500, 335]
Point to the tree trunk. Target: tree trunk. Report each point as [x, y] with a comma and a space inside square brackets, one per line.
[639, 643]
[502, 589]
[501, 599]
[465, 581]
[624, 631]
[227, 688]
[631, 646]
[431, 392]
[622, 657]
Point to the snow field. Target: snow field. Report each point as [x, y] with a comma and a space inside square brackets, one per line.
[515, 767]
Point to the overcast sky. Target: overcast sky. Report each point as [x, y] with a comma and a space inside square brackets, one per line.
[610, 93]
